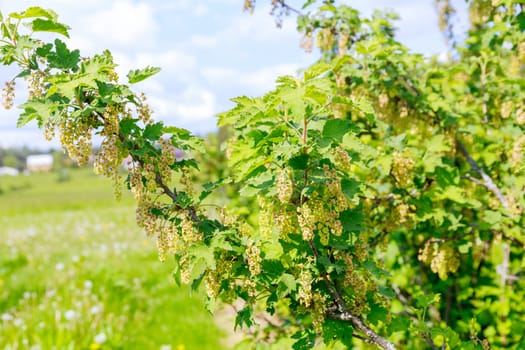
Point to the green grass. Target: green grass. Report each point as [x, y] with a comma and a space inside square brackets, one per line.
[77, 273]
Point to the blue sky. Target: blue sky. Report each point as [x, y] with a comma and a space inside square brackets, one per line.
[209, 51]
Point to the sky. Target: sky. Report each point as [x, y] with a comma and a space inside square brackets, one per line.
[210, 51]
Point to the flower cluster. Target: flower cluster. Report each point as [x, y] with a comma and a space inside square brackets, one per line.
[75, 137]
[442, 258]
[36, 84]
[342, 159]
[304, 294]
[284, 187]
[306, 221]
[8, 94]
[253, 254]
[402, 167]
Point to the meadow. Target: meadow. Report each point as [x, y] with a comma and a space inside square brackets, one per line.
[77, 273]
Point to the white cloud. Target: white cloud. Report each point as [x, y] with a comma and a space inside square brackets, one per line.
[124, 24]
[249, 29]
[194, 109]
[254, 82]
[204, 41]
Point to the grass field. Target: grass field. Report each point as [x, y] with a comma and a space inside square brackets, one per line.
[77, 273]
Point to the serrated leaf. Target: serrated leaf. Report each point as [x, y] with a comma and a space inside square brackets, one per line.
[352, 220]
[376, 314]
[63, 58]
[334, 330]
[287, 80]
[364, 106]
[425, 301]
[33, 12]
[437, 144]
[350, 188]
[286, 285]
[201, 251]
[153, 132]
[244, 318]
[337, 128]
[399, 323]
[137, 75]
[377, 272]
[386, 291]
[128, 125]
[299, 162]
[45, 25]
[39, 109]
[316, 70]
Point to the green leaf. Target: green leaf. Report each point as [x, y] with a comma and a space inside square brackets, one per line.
[299, 162]
[33, 12]
[272, 249]
[137, 75]
[153, 132]
[425, 301]
[377, 272]
[287, 80]
[39, 109]
[352, 220]
[316, 70]
[350, 187]
[399, 324]
[337, 128]
[244, 318]
[202, 251]
[63, 58]
[127, 126]
[387, 291]
[176, 274]
[437, 144]
[521, 20]
[334, 330]
[377, 313]
[183, 200]
[306, 340]
[45, 25]
[286, 285]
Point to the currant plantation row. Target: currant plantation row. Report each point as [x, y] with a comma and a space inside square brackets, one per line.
[377, 198]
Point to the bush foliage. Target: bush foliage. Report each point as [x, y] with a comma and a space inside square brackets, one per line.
[387, 188]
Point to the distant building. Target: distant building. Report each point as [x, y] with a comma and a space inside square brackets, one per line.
[39, 163]
[5, 170]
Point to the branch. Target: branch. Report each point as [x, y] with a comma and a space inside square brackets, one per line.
[192, 212]
[336, 313]
[486, 180]
[341, 313]
[289, 8]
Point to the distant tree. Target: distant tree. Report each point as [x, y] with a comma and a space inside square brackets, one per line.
[10, 161]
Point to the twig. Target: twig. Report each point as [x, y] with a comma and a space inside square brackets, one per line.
[344, 315]
[486, 180]
[341, 313]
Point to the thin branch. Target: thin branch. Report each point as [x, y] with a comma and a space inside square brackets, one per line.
[344, 315]
[486, 180]
[289, 8]
[341, 313]
[192, 212]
